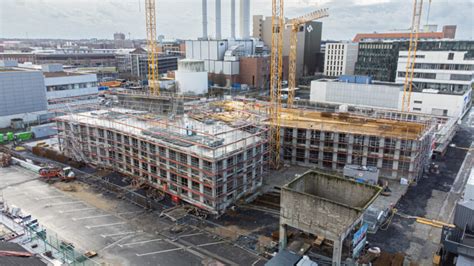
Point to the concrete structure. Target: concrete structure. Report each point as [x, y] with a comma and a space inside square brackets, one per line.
[23, 94]
[232, 19]
[204, 19]
[191, 77]
[448, 32]
[390, 96]
[244, 19]
[208, 164]
[446, 71]
[218, 35]
[324, 205]
[309, 42]
[340, 58]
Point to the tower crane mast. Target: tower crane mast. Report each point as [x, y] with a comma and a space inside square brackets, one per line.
[276, 71]
[152, 55]
[295, 25]
[410, 66]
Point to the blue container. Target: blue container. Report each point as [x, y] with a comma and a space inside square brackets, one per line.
[363, 79]
[103, 88]
[347, 78]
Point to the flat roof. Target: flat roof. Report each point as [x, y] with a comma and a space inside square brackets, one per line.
[333, 122]
[61, 74]
[211, 140]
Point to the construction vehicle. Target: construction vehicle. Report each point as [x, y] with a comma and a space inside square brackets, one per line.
[51, 174]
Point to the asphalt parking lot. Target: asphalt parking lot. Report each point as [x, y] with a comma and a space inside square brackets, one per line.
[121, 233]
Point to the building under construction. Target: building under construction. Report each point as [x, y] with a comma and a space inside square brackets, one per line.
[206, 163]
[324, 140]
[217, 151]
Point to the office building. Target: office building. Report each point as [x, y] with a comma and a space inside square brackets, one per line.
[340, 58]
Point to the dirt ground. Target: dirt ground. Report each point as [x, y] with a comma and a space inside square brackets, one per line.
[84, 192]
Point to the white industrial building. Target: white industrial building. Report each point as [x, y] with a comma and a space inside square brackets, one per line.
[340, 58]
[68, 89]
[65, 89]
[222, 55]
[446, 71]
[390, 96]
[191, 77]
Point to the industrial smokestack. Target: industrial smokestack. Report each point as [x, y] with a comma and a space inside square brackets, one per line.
[245, 19]
[218, 20]
[204, 19]
[232, 19]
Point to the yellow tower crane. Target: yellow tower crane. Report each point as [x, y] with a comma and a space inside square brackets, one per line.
[410, 66]
[276, 70]
[295, 25]
[153, 75]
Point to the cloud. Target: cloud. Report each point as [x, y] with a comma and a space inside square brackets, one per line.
[182, 18]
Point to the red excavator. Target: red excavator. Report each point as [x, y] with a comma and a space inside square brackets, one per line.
[51, 174]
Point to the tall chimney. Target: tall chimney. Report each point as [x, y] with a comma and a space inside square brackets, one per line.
[204, 19]
[218, 20]
[232, 19]
[245, 19]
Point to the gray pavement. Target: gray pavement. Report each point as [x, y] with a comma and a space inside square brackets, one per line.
[122, 235]
[433, 197]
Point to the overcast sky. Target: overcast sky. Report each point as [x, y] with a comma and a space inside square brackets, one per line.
[76, 19]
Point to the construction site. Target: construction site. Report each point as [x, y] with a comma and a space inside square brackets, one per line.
[186, 177]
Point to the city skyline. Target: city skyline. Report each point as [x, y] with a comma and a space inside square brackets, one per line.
[83, 19]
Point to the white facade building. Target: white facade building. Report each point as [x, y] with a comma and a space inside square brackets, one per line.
[68, 89]
[446, 71]
[191, 77]
[390, 96]
[340, 58]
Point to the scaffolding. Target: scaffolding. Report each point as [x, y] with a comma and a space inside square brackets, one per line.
[209, 164]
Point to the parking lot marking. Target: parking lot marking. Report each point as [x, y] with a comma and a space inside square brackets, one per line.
[118, 234]
[210, 244]
[51, 197]
[116, 242]
[90, 217]
[77, 210]
[140, 242]
[103, 225]
[120, 213]
[62, 203]
[176, 249]
[158, 252]
[195, 234]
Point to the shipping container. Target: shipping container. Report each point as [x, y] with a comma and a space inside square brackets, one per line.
[10, 136]
[24, 135]
[1, 138]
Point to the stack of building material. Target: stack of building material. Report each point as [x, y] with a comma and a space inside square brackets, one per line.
[5, 159]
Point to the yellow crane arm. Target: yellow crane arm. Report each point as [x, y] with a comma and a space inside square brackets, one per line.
[295, 24]
[152, 55]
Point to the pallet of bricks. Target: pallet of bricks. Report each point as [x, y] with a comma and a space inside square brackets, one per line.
[5, 159]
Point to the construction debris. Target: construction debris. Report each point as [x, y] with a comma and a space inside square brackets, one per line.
[5, 159]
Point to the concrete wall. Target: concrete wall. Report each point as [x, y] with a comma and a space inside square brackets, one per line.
[315, 215]
[339, 190]
[21, 92]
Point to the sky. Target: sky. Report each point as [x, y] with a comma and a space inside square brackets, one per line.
[76, 19]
